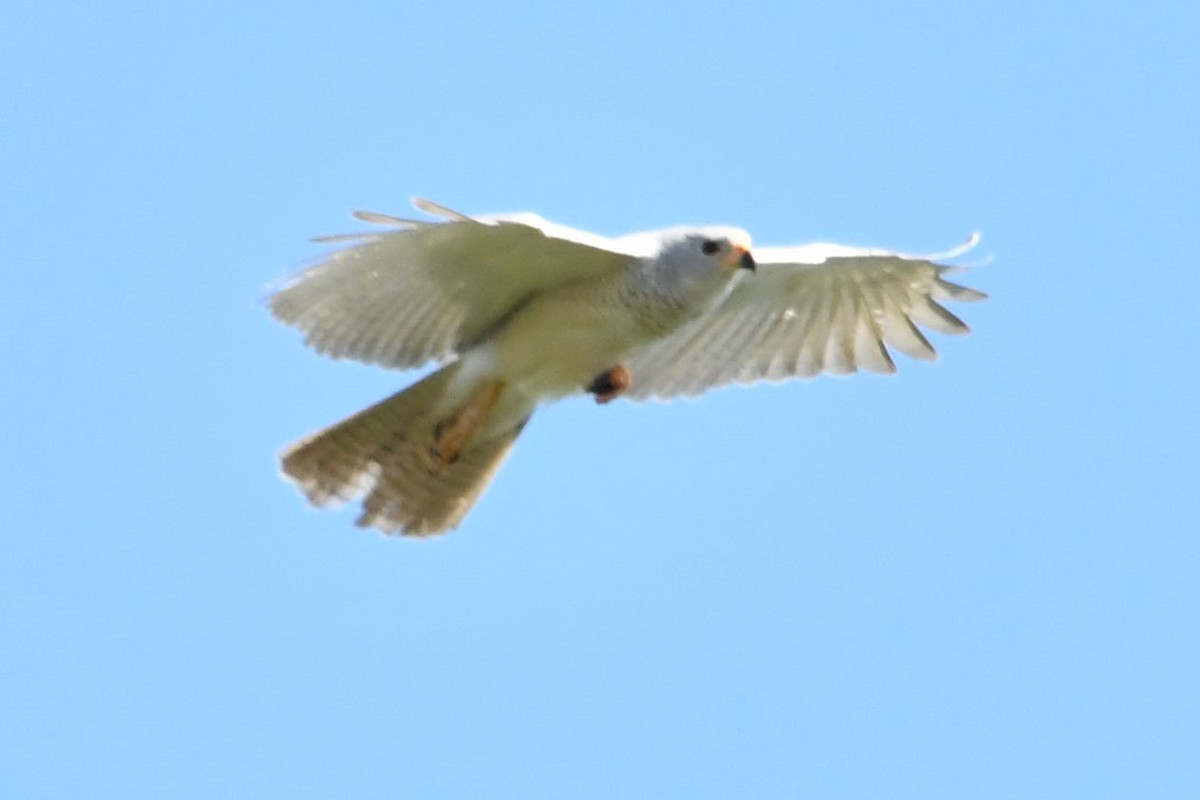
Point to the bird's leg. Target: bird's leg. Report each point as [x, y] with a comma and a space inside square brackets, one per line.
[452, 435]
[609, 384]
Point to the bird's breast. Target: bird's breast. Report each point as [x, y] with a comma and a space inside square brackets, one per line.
[557, 342]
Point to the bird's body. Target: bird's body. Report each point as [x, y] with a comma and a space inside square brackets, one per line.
[558, 341]
[522, 312]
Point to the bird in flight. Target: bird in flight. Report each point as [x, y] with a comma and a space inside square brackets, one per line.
[516, 311]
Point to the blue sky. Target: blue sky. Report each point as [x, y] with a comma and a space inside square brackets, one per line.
[975, 578]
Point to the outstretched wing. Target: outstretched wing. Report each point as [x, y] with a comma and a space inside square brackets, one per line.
[428, 290]
[811, 309]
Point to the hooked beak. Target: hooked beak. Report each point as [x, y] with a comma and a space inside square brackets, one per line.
[738, 257]
[747, 262]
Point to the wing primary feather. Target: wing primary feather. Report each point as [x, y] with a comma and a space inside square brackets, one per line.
[799, 357]
[391, 221]
[781, 350]
[365, 334]
[437, 210]
[759, 339]
[311, 319]
[948, 290]
[737, 339]
[822, 329]
[839, 352]
[339, 238]
[869, 350]
[407, 321]
[929, 313]
[900, 332]
[694, 356]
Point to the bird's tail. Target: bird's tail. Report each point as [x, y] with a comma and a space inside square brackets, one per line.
[418, 470]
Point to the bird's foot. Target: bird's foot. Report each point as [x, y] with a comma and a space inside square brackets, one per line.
[452, 435]
[609, 384]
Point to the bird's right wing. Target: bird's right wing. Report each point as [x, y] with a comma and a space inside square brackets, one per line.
[428, 290]
[809, 309]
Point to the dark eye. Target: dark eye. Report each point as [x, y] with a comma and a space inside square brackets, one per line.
[710, 246]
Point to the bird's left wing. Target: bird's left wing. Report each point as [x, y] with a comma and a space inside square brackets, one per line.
[810, 309]
[427, 290]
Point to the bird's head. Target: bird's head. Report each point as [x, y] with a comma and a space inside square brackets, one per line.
[699, 253]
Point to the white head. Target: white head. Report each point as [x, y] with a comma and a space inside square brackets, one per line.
[701, 254]
[698, 265]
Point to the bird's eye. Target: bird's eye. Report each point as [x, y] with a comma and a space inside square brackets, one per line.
[710, 246]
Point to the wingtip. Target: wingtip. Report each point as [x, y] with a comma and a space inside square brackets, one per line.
[340, 238]
[387, 220]
[370, 217]
[438, 210]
